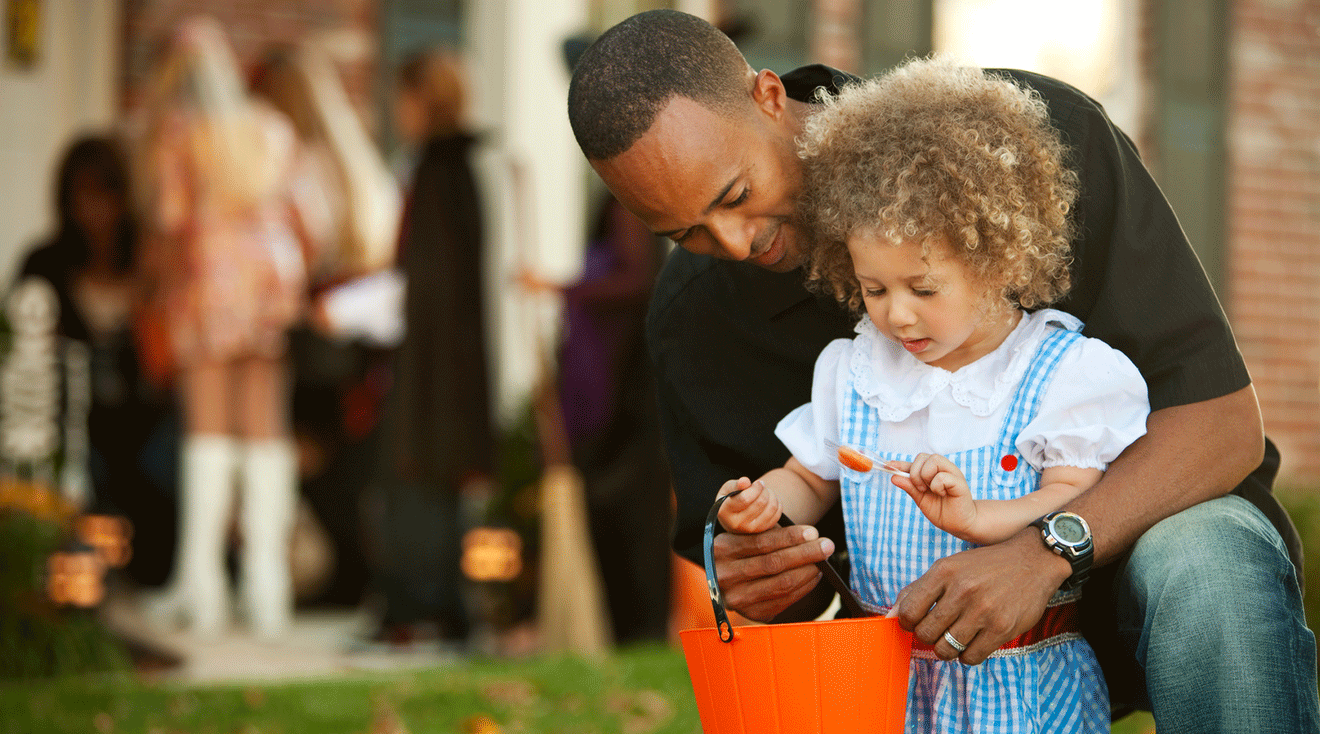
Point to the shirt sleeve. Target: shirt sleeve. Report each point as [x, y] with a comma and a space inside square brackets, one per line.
[1093, 408]
[804, 430]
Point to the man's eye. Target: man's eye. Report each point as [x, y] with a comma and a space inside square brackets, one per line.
[741, 198]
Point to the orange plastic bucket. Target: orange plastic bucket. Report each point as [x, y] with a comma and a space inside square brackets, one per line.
[843, 676]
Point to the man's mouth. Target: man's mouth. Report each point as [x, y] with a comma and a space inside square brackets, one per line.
[772, 253]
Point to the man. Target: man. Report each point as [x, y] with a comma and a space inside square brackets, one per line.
[1193, 583]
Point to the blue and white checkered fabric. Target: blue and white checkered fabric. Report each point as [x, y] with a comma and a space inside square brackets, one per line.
[1057, 689]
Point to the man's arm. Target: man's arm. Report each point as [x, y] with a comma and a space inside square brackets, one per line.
[1190, 453]
[766, 576]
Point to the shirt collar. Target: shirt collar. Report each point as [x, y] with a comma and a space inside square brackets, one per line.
[802, 82]
[772, 293]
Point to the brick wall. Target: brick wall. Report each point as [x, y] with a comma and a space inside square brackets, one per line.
[1274, 220]
[834, 38]
[254, 26]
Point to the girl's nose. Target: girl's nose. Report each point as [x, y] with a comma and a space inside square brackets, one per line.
[900, 313]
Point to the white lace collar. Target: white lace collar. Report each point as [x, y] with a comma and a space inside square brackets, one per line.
[908, 384]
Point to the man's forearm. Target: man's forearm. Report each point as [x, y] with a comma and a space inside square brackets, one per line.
[1190, 453]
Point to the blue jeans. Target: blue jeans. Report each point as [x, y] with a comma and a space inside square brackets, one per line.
[1210, 604]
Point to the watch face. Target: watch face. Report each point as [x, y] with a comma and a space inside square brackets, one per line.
[1068, 529]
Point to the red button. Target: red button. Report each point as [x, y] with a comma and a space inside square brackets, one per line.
[1009, 462]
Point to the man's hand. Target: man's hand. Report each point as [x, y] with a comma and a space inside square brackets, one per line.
[983, 597]
[765, 573]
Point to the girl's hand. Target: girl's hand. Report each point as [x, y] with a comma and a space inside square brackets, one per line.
[755, 510]
[940, 491]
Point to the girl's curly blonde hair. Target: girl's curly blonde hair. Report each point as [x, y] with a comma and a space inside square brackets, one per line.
[931, 151]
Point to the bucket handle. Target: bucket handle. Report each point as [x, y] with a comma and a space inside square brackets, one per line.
[846, 596]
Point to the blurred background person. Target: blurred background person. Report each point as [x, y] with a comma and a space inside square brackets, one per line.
[438, 447]
[349, 205]
[224, 266]
[609, 408]
[90, 261]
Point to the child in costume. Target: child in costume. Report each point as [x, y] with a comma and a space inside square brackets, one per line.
[939, 196]
[224, 266]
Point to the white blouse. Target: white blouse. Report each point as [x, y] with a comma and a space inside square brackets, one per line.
[1094, 407]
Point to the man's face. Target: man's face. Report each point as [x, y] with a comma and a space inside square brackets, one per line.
[717, 185]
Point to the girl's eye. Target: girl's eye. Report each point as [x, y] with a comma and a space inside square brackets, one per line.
[874, 292]
[923, 292]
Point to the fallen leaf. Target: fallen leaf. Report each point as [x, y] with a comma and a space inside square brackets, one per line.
[482, 724]
[386, 719]
[255, 698]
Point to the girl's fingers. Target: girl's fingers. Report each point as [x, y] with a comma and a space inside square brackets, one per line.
[733, 485]
[944, 484]
[922, 471]
[746, 511]
[769, 509]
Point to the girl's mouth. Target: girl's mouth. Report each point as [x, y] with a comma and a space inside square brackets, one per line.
[915, 345]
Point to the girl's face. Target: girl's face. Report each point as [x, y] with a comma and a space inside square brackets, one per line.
[932, 306]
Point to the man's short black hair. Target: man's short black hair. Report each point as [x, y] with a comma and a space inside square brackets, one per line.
[635, 68]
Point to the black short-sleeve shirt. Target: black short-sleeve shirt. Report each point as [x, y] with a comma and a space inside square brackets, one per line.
[734, 345]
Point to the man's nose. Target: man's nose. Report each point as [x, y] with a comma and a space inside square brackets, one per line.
[733, 235]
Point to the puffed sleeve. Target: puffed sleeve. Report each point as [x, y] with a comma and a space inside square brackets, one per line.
[805, 429]
[1095, 406]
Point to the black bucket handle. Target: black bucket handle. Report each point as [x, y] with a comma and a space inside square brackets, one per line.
[846, 596]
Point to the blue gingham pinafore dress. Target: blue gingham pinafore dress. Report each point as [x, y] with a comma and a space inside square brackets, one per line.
[1052, 688]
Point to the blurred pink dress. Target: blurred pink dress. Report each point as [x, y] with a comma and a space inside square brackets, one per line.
[231, 276]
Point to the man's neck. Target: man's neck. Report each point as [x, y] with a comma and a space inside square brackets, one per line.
[797, 114]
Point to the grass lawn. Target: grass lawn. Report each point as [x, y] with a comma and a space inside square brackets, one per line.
[639, 691]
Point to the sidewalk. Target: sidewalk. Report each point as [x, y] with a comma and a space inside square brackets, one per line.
[319, 644]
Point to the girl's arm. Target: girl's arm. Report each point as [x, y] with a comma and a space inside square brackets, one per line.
[793, 490]
[942, 495]
[998, 520]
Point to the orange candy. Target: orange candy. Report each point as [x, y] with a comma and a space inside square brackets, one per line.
[853, 460]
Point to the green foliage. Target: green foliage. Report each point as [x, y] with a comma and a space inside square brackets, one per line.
[38, 638]
[1304, 508]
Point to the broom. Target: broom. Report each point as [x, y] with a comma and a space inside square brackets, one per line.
[571, 614]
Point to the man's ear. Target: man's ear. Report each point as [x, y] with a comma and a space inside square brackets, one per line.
[769, 95]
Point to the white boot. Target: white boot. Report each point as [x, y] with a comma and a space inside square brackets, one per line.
[270, 490]
[198, 591]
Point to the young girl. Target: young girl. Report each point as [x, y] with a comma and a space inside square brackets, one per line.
[940, 201]
[223, 266]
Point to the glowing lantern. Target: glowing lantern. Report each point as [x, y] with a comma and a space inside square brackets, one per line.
[109, 536]
[491, 554]
[75, 577]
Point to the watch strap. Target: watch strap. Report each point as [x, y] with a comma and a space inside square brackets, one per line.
[1080, 558]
